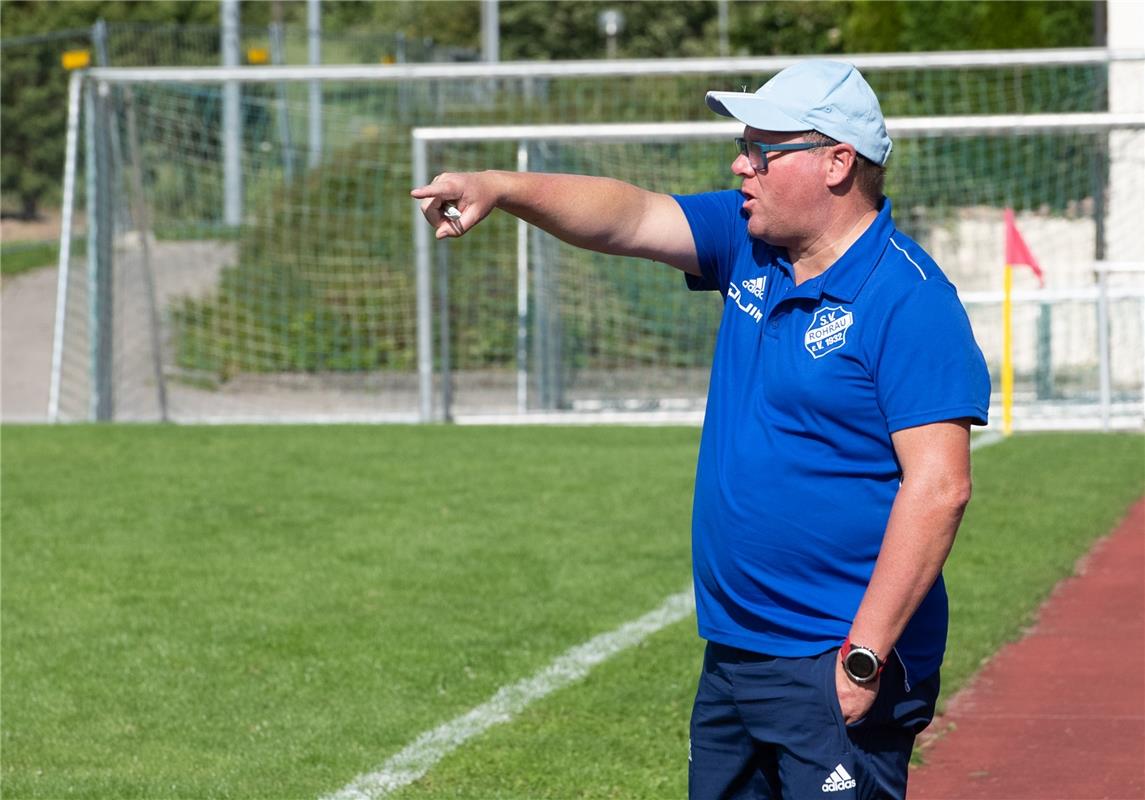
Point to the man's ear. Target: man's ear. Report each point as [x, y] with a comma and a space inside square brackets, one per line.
[842, 164]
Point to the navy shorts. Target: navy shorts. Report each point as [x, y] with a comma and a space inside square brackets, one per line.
[765, 727]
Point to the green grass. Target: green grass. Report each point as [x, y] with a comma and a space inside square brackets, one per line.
[17, 257]
[268, 612]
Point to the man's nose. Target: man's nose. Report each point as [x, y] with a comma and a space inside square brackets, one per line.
[741, 166]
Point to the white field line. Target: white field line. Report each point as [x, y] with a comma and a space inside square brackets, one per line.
[418, 757]
[985, 440]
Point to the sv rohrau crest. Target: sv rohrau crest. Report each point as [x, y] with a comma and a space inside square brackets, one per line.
[828, 330]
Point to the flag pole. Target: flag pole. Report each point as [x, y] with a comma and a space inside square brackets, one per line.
[1017, 253]
[1007, 353]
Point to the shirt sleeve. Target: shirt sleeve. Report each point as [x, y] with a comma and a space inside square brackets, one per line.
[718, 228]
[928, 368]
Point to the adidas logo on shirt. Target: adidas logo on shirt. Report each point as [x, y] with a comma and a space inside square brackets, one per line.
[755, 286]
[838, 780]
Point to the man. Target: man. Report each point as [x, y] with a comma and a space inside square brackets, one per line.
[834, 463]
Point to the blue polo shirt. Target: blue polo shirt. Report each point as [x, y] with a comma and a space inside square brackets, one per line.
[797, 472]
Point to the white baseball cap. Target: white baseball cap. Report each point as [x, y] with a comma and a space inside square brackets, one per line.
[826, 96]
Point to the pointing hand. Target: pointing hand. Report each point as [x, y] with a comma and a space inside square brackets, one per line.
[454, 202]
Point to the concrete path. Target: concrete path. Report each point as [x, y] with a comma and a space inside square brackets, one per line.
[27, 314]
[1059, 715]
[27, 317]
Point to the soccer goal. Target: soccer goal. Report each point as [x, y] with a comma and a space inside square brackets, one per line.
[602, 335]
[323, 297]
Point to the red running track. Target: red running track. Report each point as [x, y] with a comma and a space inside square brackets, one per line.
[1060, 714]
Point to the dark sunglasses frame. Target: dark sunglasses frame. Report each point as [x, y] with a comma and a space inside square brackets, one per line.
[745, 149]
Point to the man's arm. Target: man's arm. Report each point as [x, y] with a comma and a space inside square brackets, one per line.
[925, 516]
[600, 214]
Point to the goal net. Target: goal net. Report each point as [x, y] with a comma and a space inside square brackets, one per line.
[232, 268]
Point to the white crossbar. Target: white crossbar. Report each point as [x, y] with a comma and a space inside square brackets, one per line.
[907, 127]
[605, 68]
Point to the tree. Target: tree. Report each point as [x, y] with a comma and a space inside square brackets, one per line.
[33, 83]
[922, 25]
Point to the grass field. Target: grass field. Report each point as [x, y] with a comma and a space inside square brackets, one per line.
[269, 612]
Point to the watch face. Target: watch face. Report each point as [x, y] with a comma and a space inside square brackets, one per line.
[861, 664]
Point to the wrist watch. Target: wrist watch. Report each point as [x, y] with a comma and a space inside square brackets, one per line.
[862, 664]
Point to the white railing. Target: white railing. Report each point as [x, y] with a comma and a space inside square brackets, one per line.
[1102, 270]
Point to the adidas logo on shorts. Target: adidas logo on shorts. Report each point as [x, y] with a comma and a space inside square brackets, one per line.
[838, 780]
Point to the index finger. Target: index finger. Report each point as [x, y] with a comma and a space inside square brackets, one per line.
[440, 186]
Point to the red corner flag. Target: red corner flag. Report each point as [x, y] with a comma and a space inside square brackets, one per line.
[1017, 252]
